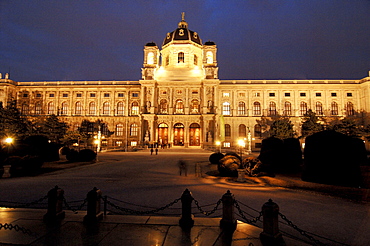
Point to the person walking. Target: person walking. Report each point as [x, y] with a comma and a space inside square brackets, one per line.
[183, 167]
[151, 151]
[156, 151]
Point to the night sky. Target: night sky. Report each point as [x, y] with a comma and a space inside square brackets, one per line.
[47, 40]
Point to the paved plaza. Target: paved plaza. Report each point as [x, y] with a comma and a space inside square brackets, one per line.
[152, 181]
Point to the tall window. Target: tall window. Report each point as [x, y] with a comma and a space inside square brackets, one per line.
[241, 108]
[272, 108]
[38, 108]
[120, 108]
[350, 109]
[92, 108]
[119, 130]
[226, 108]
[195, 60]
[334, 108]
[319, 110]
[227, 130]
[194, 106]
[24, 109]
[180, 57]
[287, 109]
[167, 60]
[303, 108]
[179, 107]
[133, 130]
[106, 108]
[51, 108]
[64, 109]
[163, 108]
[150, 58]
[258, 131]
[209, 56]
[78, 108]
[135, 108]
[256, 108]
[242, 131]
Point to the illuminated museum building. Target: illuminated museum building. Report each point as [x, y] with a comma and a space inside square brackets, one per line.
[180, 100]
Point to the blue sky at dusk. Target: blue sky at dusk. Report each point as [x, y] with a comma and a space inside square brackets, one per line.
[46, 40]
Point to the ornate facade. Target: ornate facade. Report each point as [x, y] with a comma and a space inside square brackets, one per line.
[180, 100]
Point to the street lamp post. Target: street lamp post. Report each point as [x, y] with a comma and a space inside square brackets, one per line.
[218, 143]
[241, 144]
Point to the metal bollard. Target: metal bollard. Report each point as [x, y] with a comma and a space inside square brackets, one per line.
[187, 219]
[93, 206]
[228, 221]
[271, 234]
[55, 205]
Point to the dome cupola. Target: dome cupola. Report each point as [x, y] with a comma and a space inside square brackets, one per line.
[182, 34]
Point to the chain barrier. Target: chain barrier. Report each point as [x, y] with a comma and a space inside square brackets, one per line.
[18, 228]
[26, 205]
[209, 212]
[241, 213]
[68, 207]
[131, 211]
[302, 232]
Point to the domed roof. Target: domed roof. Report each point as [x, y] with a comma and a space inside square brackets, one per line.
[209, 43]
[151, 44]
[182, 33]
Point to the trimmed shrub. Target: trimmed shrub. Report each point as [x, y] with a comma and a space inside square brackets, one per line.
[87, 155]
[228, 166]
[215, 157]
[72, 155]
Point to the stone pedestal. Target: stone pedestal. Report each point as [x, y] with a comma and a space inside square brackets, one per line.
[6, 173]
[241, 175]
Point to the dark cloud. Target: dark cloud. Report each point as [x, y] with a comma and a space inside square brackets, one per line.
[103, 40]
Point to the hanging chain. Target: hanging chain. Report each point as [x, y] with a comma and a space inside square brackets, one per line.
[131, 211]
[241, 213]
[209, 212]
[7, 226]
[302, 232]
[74, 210]
[26, 205]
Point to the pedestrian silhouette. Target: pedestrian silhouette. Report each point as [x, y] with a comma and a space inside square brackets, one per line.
[183, 167]
[156, 151]
[151, 151]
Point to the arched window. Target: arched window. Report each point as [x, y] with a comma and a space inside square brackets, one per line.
[334, 108]
[209, 57]
[303, 108]
[167, 60]
[120, 108]
[241, 108]
[242, 131]
[194, 108]
[272, 109]
[163, 108]
[195, 60]
[24, 109]
[78, 108]
[350, 109]
[38, 108]
[92, 108]
[226, 108]
[64, 109]
[258, 131]
[180, 57]
[256, 108]
[133, 130]
[51, 108]
[106, 108]
[287, 109]
[119, 130]
[150, 58]
[135, 108]
[319, 110]
[179, 107]
[227, 130]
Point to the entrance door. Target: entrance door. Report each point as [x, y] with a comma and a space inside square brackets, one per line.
[178, 134]
[163, 133]
[194, 135]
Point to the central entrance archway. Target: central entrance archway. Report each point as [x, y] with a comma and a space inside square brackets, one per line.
[178, 134]
[163, 133]
[194, 135]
